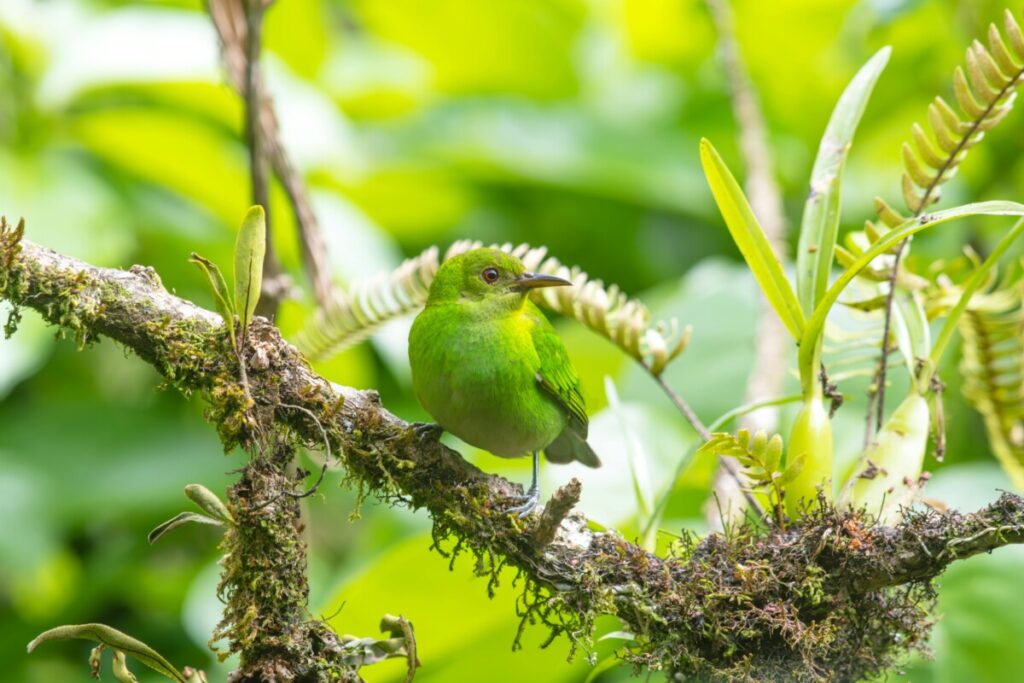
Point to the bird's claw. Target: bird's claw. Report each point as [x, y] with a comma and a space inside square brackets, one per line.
[427, 431]
[529, 502]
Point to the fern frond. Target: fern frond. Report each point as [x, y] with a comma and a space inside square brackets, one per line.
[993, 369]
[624, 321]
[857, 242]
[761, 460]
[360, 310]
[984, 93]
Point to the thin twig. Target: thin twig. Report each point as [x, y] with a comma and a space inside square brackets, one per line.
[327, 446]
[883, 359]
[705, 435]
[555, 510]
[683, 407]
[229, 21]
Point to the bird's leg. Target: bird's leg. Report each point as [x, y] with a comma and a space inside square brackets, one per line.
[532, 494]
[427, 431]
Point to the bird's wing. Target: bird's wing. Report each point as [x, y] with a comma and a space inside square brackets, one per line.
[556, 374]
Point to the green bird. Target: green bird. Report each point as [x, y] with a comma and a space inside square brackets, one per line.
[489, 367]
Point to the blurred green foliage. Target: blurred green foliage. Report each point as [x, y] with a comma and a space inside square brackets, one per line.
[569, 123]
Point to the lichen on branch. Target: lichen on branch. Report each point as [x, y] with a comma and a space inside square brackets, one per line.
[833, 596]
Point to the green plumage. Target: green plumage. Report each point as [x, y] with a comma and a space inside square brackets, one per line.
[489, 367]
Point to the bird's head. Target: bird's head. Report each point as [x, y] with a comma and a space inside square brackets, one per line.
[487, 275]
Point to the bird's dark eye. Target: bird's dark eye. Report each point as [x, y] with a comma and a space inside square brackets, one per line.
[490, 275]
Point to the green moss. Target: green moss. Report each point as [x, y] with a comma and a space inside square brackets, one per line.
[263, 581]
[230, 410]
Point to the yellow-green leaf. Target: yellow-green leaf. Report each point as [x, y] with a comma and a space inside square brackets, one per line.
[209, 502]
[112, 638]
[249, 250]
[219, 287]
[180, 519]
[749, 236]
[820, 222]
[979, 277]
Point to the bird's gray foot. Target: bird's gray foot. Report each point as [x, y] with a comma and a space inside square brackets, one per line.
[427, 431]
[527, 502]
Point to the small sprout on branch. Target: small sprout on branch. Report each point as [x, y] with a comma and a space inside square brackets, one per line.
[401, 642]
[217, 513]
[221, 297]
[180, 519]
[209, 502]
[250, 248]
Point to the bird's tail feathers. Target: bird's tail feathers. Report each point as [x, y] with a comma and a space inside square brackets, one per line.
[571, 446]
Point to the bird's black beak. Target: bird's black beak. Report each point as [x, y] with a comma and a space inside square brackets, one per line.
[528, 281]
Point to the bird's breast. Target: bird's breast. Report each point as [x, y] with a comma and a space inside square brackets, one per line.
[478, 379]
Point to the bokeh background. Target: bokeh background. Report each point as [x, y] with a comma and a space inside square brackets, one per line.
[568, 123]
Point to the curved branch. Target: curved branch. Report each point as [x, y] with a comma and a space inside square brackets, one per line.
[767, 601]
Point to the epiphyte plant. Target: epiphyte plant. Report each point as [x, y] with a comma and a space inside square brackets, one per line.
[887, 471]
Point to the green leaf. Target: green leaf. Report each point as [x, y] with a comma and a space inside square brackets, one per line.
[820, 222]
[249, 250]
[112, 638]
[366, 651]
[180, 519]
[793, 470]
[750, 238]
[911, 329]
[979, 277]
[209, 502]
[773, 454]
[816, 323]
[219, 287]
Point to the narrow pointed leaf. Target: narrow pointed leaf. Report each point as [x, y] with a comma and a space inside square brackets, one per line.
[180, 519]
[250, 246]
[219, 287]
[749, 236]
[820, 222]
[112, 638]
[964, 97]
[910, 327]
[977, 280]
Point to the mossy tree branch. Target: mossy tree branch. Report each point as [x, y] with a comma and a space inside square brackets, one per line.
[830, 597]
